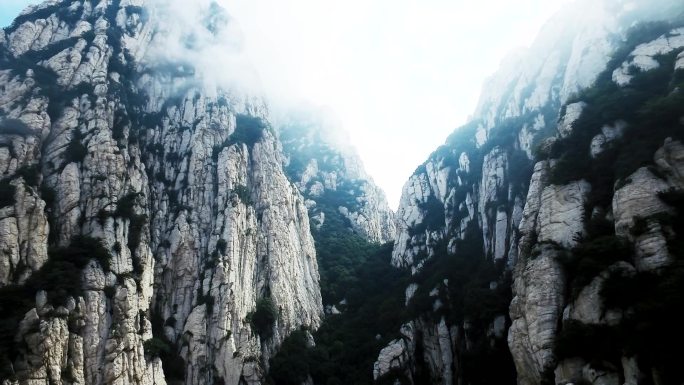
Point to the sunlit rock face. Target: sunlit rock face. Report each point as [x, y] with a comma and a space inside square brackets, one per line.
[180, 180]
[496, 184]
[329, 173]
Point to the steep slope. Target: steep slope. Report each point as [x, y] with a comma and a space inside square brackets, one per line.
[481, 226]
[330, 175]
[147, 214]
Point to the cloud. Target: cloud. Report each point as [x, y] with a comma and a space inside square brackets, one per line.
[200, 34]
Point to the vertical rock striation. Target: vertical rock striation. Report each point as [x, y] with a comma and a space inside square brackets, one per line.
[172, 190]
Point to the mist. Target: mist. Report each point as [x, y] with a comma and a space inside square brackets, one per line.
[399, 76]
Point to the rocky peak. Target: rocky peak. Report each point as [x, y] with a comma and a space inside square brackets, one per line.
[158, 192]
[479, 204]
[330, 174]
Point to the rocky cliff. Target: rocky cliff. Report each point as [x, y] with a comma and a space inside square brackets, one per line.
[149, 232]
[534, 203]
[330, 175]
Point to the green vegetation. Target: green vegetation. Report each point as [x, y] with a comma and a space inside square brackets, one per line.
[263, 317]
[340, 254]
[359, 272]
[30, 174]
[433, 219]
[243, 193]
[291, 366]
[221, 246]
[651, 105]
[76, 151]
[650, 331]
[155, 347]
[173, 364]
[346, 344]
[248, 130]
[590, 257]
[7, 192]
[60, 277]
[468, 297]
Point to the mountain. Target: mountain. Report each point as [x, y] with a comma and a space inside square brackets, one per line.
[330, 175]
[150, 233]
[159, 226]
[530, 232]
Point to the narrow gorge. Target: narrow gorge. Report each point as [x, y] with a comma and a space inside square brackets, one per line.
[160, 227]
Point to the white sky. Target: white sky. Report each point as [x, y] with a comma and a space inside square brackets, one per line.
[400, 75]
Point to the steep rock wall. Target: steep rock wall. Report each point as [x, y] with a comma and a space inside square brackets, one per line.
[182, 189]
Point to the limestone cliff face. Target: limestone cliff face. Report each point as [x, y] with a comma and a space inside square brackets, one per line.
[182, 186]
[330, 175]
[483, 186]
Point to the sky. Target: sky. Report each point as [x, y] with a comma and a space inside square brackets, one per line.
[399, 75]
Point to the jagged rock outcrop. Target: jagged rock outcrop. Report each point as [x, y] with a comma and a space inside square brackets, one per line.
[181, 188]
[328, 172]
[482, 186]
[422, 343]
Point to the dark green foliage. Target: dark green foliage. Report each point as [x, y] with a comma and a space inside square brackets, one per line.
[207, 300]
[31, 174]
[651, 329]
[110, 291]
[48, 194]
[434, 218]
[7, 192]
[15, 301]
[291, 366]
[75, 151]
[172, 364]
[597, 344]
[14, 127]
[520, 169]
[60, 277]
[248, 130]
[80, 251]
[468, 296]
[649, 300]
[125, 207]
[135, 231]
[121, 121]
[590, 257]
[340, 251]
[327, 157]
[243, 193]
[221, 245]
[155, 347]
[346, 344]
[651, 105]
[263, 317]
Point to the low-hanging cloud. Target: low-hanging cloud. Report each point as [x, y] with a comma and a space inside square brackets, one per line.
[201, 35]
